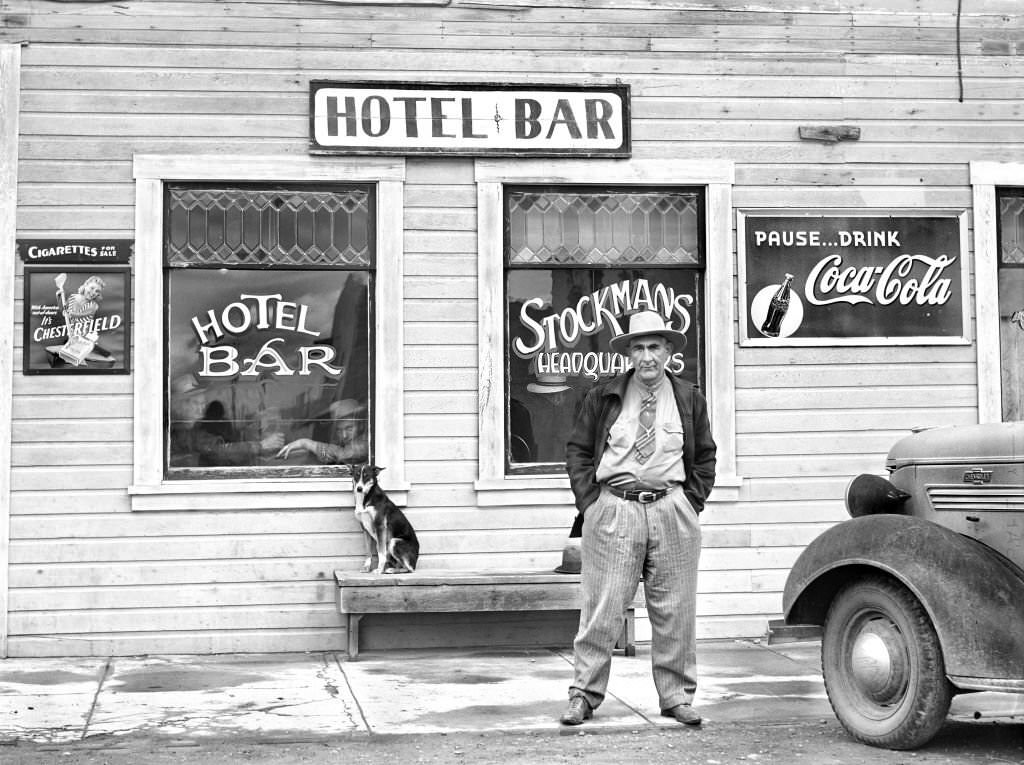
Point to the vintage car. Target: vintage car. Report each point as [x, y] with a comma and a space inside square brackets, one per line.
[921, 593]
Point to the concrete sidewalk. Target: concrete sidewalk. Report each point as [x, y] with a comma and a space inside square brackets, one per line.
[305, 696]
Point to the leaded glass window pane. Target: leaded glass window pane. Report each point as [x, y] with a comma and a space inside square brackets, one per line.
[269, 228]
[563, 227]
[1011, 301]
[1011, 229]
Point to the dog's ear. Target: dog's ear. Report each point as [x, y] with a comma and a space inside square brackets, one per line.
[376, 471]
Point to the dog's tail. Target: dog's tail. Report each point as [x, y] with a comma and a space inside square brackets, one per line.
[404, 554]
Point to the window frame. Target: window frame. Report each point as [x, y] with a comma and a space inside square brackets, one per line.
[699, 267]
[184, 265]
[716, 178]
[1003, 192]
[150, 490]
[985, 178]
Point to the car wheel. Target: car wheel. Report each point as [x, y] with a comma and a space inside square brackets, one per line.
[883, 667]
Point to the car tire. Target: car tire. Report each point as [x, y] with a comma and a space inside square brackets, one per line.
[883, 667]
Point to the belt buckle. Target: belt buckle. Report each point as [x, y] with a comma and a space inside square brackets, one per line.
[646, 497]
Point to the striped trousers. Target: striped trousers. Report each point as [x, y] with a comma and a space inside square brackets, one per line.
[622, 541]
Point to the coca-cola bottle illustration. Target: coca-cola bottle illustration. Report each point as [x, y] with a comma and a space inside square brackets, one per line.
[777, 309]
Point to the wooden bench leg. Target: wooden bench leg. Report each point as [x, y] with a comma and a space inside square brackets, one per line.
[627, 641]
[353, 635]
[629, 633]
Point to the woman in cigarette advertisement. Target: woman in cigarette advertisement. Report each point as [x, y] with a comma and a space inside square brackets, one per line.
[76, 321]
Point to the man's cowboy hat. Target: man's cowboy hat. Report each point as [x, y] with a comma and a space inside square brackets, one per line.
[341, 409]
[548, 383]
[346, 408]
[647, 323]
[186, 385]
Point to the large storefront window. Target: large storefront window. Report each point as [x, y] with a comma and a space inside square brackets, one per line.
[578, 262]
[1011, 300]
[268, 330]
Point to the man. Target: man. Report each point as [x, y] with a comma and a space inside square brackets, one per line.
[348, 440]
[641, 462]
[201, 435]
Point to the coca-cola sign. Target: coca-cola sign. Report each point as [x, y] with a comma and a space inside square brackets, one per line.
[857, 279]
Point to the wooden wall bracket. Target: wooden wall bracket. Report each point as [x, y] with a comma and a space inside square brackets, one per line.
[829, 133]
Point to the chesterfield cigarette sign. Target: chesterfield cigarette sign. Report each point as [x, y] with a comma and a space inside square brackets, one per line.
[468, 119]
[857, 279]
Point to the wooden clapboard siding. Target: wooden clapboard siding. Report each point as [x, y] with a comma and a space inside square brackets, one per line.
[74, 431]
[762, 399]
[246, 594]
[294, 569]
[441, 251]
[160, 619]
[63, 503]
[709, 79]
[252, 640]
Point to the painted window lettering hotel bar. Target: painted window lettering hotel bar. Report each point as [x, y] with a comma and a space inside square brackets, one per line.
[242, 259]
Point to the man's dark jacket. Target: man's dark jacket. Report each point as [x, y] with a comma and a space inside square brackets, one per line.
[601, 408]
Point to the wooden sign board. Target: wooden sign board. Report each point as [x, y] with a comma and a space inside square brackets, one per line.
[94, 252]
[469, 119]
[859, 278]
[77, 320]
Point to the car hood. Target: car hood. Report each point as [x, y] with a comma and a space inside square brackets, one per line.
[990, 442]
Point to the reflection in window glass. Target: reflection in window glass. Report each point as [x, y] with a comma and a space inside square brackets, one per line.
[1011, 301]
[560, 324]
[267, 369]
[268, 342]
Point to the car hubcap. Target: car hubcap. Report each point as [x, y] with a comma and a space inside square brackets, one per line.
[879, 662]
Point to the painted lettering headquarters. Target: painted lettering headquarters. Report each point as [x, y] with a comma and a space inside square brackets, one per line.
[550, 340]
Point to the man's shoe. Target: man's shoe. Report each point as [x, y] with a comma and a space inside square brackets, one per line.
[684, 713]
[578, 711]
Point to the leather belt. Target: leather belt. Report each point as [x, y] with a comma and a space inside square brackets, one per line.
[644, 496]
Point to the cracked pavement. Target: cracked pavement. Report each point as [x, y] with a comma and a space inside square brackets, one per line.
[315, 695]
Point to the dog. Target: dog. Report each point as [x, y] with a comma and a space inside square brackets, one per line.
[389, 535]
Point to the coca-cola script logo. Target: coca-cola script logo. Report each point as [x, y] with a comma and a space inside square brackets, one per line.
[907, 279]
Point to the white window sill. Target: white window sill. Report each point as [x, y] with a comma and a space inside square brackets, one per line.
[299, 493]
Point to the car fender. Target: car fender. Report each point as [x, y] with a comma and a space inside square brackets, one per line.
[973, 596]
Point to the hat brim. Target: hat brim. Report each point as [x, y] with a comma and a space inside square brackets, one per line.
[197, 388]
[620, 344]
[539, 388]
[353, 414]
[575, 568]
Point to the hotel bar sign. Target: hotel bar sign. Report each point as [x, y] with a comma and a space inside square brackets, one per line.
[469, 119]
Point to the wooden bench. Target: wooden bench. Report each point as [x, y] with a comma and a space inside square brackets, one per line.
[461, 591]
